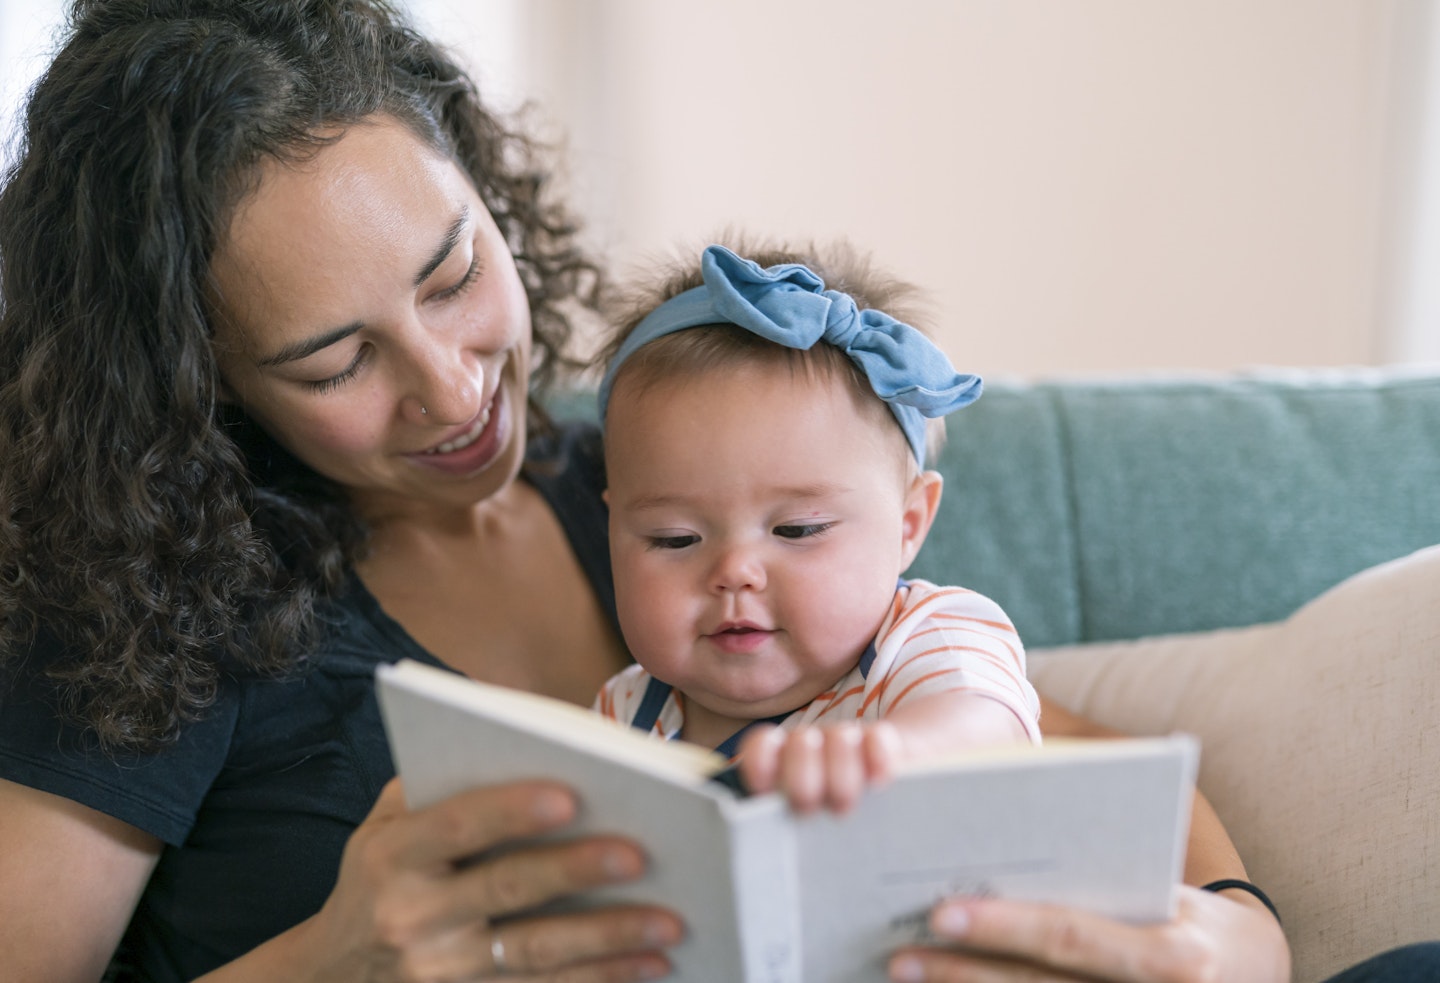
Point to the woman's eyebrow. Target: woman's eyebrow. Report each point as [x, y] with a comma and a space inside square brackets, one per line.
[309, 346]
[447, 244]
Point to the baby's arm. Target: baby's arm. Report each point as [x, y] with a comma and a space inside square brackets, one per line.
[829, 766]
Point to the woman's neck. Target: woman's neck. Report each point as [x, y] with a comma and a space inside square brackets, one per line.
[497, 594]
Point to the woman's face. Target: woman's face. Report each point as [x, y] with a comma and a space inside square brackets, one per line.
[370, 317]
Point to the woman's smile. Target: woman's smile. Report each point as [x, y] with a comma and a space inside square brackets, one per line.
[476, 446]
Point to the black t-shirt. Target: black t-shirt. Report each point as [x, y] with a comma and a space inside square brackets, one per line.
[256, 801]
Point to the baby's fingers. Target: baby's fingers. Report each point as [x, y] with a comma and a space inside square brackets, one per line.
[883, 750]
[802, 769]
[760, 758]
[845, 767]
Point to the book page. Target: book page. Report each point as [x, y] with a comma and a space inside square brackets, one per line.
[1100, 826]
[561, 722]
[714, 859]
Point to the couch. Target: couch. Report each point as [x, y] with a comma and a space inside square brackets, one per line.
[1251, 559]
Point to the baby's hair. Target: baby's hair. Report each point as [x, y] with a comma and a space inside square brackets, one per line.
[695, 351]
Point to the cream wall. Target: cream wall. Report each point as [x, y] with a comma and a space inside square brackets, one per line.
[1085, 186]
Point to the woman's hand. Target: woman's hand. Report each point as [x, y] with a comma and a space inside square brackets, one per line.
[1212, 937]
[418, 899]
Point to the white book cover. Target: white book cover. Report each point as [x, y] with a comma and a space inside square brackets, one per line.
[770, 897]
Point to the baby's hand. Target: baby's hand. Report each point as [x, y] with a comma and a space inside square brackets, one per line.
[820, 766]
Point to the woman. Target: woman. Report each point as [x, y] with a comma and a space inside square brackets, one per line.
[277, 287]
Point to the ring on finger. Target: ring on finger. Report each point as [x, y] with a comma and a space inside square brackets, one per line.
[497, 953]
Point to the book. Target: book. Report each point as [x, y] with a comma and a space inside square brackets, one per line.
[770, 896]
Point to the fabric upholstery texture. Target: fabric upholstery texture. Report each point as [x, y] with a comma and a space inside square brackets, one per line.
[1108, 510]
[1320, 739]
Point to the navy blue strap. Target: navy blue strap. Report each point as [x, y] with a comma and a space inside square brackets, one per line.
[867, 659]
[731, 745]
[730, 777]
[656, 693]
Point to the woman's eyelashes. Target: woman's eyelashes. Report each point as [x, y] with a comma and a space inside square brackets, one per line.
[472, 273]
[350, 372]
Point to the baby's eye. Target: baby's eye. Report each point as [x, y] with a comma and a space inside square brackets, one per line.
[802, 531]
[673, 542]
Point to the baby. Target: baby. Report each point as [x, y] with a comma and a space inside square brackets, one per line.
[765, 444]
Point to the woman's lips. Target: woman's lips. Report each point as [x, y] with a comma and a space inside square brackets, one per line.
[468, 437]
[472, 449]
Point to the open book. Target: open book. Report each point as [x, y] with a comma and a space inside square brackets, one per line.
[772, 897]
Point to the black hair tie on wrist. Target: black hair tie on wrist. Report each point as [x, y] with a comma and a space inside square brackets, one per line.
[1246, 886]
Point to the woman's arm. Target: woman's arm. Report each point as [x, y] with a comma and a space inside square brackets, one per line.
[1228, 936]
[406, 906]
[71, 877]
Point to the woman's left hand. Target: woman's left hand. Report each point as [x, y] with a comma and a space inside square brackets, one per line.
[1212, 937]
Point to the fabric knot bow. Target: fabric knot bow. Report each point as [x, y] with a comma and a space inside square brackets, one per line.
[789, 305]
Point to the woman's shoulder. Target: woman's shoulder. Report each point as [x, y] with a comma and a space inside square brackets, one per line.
[254, 722]
[155, 790]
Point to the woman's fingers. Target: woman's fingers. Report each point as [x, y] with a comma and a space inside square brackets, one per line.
[473, 821]
[1015, 942]
[420, 892]
[1210, 938]
[621, 943]
[1057, 938]
[523, 878]
[615, 936]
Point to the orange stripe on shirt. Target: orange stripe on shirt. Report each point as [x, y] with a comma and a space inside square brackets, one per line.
[1004, 626]
[993, 658]
[999, 641]
[838, 700]
[876, 693]
[923, 679]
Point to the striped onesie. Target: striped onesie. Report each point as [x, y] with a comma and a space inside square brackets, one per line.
[933, 640]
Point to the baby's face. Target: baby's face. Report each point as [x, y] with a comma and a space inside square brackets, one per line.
[758, 523]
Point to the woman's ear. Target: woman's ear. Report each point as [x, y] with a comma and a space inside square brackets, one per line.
[922, 500]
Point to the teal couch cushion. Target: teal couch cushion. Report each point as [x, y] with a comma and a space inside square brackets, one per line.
[1111, 510]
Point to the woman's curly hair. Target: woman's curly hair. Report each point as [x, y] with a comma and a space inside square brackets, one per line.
[154, 536]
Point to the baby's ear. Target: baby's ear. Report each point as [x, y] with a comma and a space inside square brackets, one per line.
[922, 500]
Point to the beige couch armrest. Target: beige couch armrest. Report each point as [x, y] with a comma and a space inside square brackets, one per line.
[1320, 749]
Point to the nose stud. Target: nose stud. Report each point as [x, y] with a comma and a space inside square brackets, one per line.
[423, 411]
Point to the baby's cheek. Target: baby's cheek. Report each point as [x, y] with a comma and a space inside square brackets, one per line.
[846, 612]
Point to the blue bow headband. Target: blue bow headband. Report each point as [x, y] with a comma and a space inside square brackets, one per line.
[789, 305]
